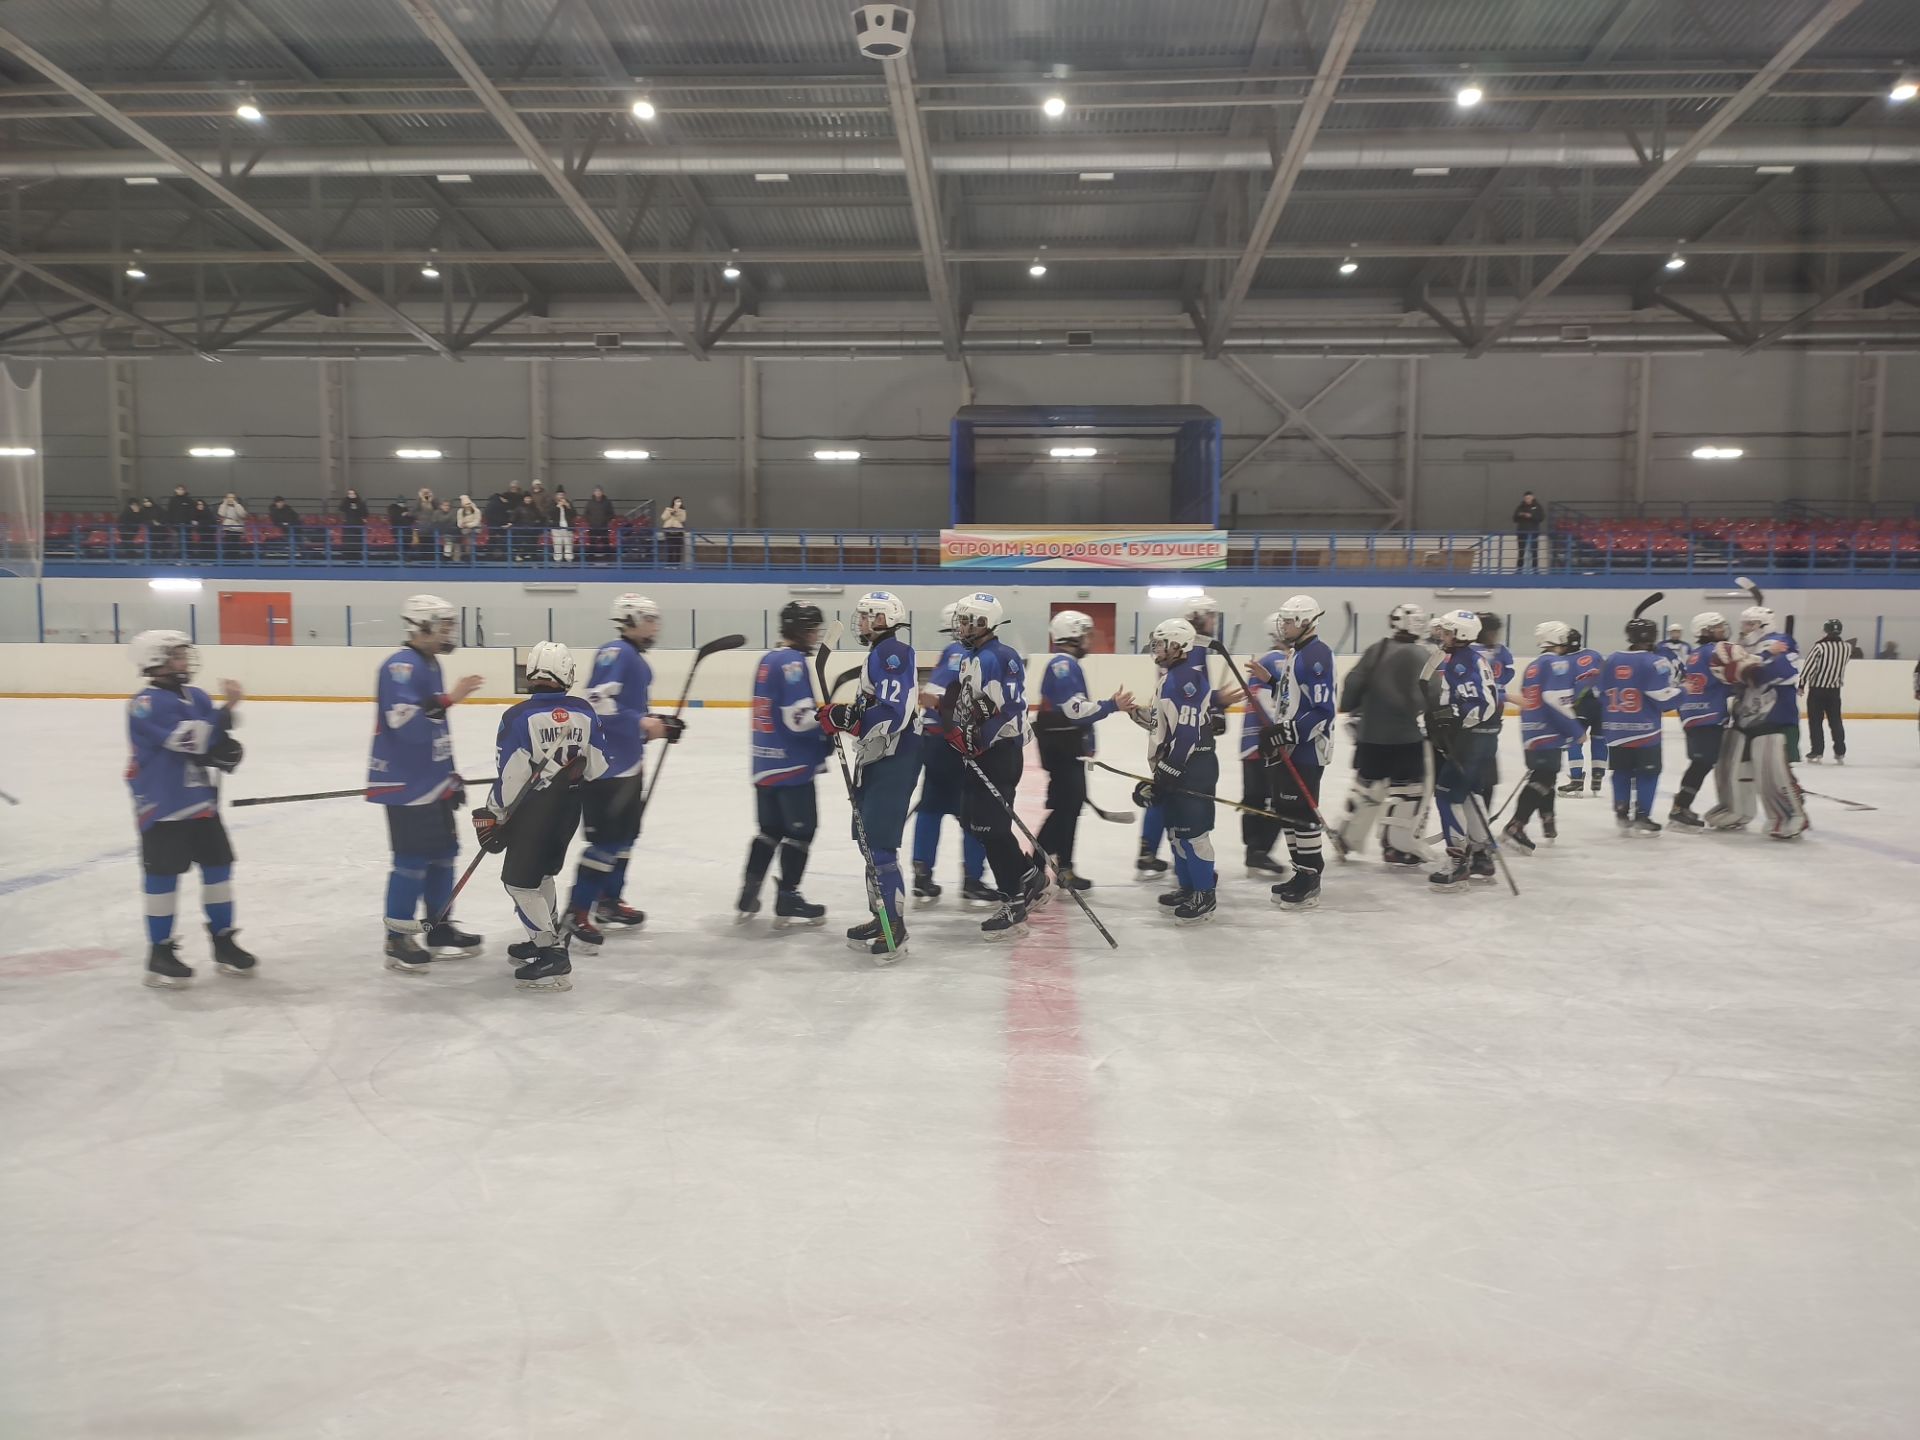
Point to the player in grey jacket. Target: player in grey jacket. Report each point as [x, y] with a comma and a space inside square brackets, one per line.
[1387, 693]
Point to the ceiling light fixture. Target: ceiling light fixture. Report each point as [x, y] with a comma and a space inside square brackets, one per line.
[1676, 261]
[1468, 96]
[1036, 270]
[454, 179]
[731, 272]
[143, 179]
[1718, 452]
[643, 109]
[134, 272]
[626, 454]
[211, 452]
[17, 452]
[1090, 176]
[1773, 169]
[174, 585]
[772, 177]
[836, 454]
[1903, 92]
[1073, 452]
[1349, 267]
[1173, 592]
[413, 454]
[429, 271]
[1432, 170]
[249, 111]
[1053, 107]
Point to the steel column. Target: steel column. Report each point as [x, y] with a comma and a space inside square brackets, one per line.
[1409, 440]
[1639, 426]
[749, 441]
[924, 191]
[335, 430]
[123, 429]
[539, 418]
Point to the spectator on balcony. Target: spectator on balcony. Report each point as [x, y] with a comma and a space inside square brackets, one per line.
[1528, 516]
[205, 526]
[400, 521]
[673, 520]
[423, 503]
[353, 514]
[179, 517]
[467, 520]
[497, 517]
[132, 516]
[561, 518]
[233, 525]
[438, 530]
[600, 518]
[282, 514]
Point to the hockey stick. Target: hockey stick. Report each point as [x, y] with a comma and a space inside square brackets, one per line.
[1350, 637]
[1178, 789]
[360, 791]
[1647, 604]
[1115, 817]
[1512, 795]
[500, 828]
[712, 647]
[1850, 804]
[1480, 810]
[1754, 592]
[1286, 758]
[1040, 856]
[8, 798]
[875, 905]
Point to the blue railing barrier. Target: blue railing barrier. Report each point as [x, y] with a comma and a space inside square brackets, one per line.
[1858, 548]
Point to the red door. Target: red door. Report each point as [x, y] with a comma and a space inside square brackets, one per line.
[256, 617]
[1101, 613]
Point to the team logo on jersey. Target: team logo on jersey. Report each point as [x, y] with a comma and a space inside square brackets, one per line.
[891, 661]
[400, 671]
[142, 706]
[562, 716]
[793, 670]
[1061, 668]
[1189, 689]
[605, 657]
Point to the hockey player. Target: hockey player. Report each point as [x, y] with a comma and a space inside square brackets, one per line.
[1766, 712]
[1674, 647]
[1547, 725]
[1703, 716]
[411, 773]
[1257, 832]
[179, 740]
[788, 751]
[549, 747]
[1639, 687]
[1300, 732]
[1385, 695]
[1588, 665]
[619, 690]
[1063, 733]
[1185, 767]
[986, 715]
[1500, 664]
[942, 786]
[886, 763]
[1456, 726]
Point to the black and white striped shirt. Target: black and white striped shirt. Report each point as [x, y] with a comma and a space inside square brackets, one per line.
[1826, 664]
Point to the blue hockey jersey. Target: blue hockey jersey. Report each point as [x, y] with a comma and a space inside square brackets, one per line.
[1703, 694]
[1587, 667]
[1676, 653]
[945, 672]
[788, 745]
[1638, 687]
[1547, 720]
[1771, 697]
[1063, 693]
[412, 759]
[619, 691]
[168, 731]
[1262, 706]
[887, 706]
[1466, 687]
[1183, 713]
[540, 738]
[1500, 666]
[993, 682]
[1302, 692]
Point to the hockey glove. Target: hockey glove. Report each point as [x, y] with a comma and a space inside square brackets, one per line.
[1443, 729]
[1217, 723]
[457, 794]
[1277, 740]
[1143, 795]
[836, 719]
[488, 831]
[675, 727]
[225, 753]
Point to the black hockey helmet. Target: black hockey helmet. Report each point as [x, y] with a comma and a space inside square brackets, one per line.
[1641, 631]
[797, 618]
[1575, 638]
[1490, 627]
[1831, 627]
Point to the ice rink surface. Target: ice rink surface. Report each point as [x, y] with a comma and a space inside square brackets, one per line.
[1634, 1155]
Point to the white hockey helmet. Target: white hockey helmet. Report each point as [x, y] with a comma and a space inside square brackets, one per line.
[1274, 633]
[1674, 632]
[881, 605]
[631, 608]
[429, 615]
[946, 615]
[1462, 626]
[1172, 639]
[1552, 634]
[1069, 625]
[1407, 618]
[551, 661]
[1755, 620]
[152, 649]
[1200, 605]
[1301, 612]
[979, 610]
[1709, 625]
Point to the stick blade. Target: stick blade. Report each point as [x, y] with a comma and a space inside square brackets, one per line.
[724, 642]
[1647, 604]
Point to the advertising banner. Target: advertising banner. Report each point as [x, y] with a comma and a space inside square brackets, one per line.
[1084, 549]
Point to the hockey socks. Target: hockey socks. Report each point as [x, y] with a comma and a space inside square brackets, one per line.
[162, 895]
[886, 871]
[406, 883]
[216, 895]
[594, 877]
[1643, 791]
[793, 863]
[759, 860]
[439, 894]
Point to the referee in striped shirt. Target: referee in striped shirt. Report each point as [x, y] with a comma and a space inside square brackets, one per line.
[1820, 680]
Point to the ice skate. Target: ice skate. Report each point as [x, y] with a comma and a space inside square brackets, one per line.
[791, 911]
[1009, 922]
[1599, 776]
[748, 905]
[1197, 909]
[1643, 827]
[1549, 827]
[1260, 864]
[926, 890]
[617, 912]
[1174, 898]
[1405, 859]
[1521, 842]
[548, 970]
[1069, 880]
[1147, 867]
[1575, 787]
[1622, 821]
[1300, 891]
[407, 954]
[578, 925]
[523, 950]
[1480, 868]
[228, 957]
[164, 969]
[975, 891]
[1682, 818]
[1453, 879]
[1036, 893]
[448, 941]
